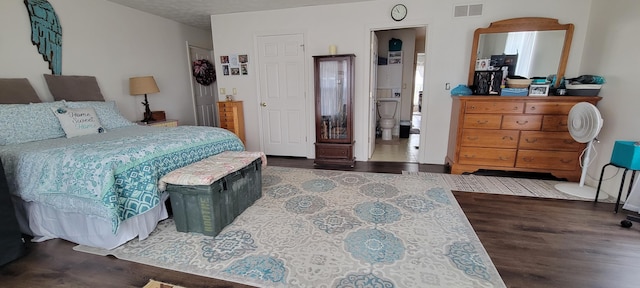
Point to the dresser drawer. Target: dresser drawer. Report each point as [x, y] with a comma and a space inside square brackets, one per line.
[548, 107]
[554, 123]
[487, 156]
[490, 138]
[227, 118]
[522, 122]
[482, 121]
[551, 160]
[493, 107]
[537, 140]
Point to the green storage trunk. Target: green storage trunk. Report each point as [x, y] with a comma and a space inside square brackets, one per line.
[207, 209]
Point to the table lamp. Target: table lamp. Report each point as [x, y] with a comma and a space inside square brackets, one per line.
[143, 85]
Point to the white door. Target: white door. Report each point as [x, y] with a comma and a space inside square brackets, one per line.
[282, 94]
[373, 87]
[205, 98]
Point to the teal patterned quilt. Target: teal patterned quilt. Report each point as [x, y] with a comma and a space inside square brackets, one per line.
[112, 175]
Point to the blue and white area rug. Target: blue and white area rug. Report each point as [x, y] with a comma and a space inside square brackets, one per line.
[319, 228]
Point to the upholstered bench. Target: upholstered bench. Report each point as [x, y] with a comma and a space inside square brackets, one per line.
[208, 195]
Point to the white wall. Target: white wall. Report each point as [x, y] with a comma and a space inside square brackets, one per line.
[610, 51]
[111, 42]
[448, 52]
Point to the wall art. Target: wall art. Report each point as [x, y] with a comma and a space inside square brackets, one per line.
[46, 33]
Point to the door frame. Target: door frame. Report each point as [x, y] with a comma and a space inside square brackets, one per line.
[216, 119]
[425, 96]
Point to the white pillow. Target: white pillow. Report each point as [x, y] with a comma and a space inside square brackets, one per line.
[108, 113]
[78, 122]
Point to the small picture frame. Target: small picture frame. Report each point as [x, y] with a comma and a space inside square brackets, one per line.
[539, 90]
[395, 57]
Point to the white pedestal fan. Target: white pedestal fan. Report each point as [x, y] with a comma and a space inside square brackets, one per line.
[584, 123]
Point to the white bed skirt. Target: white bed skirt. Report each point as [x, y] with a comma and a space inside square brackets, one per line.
[44, 223]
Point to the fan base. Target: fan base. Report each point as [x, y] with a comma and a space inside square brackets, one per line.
[580, 191]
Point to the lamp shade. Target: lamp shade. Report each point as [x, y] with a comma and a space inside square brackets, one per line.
[142, 85]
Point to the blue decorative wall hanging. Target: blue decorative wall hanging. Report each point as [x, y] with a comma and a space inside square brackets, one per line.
[46, 33]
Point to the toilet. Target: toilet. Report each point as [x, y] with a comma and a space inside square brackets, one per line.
[387, 114]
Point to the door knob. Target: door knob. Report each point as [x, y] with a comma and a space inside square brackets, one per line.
[263, 104]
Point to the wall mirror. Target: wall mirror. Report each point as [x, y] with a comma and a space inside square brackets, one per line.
[529, 46]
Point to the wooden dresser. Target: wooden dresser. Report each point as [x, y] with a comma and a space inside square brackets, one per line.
[526, 134]
[232, 118]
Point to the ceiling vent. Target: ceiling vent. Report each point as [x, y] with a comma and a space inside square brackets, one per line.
[467, 10]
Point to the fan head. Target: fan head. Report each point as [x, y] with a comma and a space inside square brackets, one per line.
[584, 122]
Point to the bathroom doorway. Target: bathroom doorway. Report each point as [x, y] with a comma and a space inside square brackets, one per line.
[404, 83]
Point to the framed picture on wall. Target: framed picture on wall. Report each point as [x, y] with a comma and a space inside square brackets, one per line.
[395, 57]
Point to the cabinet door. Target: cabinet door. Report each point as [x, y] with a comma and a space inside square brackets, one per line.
[333, 92]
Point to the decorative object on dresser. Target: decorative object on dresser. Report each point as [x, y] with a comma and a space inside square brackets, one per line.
[334, 89]
[232, 118]
[144, 85]
[526, 134]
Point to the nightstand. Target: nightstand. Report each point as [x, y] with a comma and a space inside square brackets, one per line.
[162, 123]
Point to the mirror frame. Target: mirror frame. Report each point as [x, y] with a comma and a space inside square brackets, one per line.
[524, 24]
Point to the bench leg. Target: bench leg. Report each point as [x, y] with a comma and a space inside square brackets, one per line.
[624, 174]
[600, 183]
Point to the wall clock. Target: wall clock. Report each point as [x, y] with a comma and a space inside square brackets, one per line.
[398, 12]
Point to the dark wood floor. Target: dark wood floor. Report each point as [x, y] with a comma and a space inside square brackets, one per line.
[532, 242]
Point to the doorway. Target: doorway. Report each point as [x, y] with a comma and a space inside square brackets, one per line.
[403, 84]
[205, 97]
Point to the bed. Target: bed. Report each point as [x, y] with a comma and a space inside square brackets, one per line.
[97, 188]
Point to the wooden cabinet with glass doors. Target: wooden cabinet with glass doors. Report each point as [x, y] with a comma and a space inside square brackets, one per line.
[334, 77]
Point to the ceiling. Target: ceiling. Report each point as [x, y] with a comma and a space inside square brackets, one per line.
[197, 12]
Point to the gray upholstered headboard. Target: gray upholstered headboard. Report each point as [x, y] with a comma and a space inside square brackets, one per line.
[17, 91]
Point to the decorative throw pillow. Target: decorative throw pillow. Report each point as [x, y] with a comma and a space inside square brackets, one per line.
[108, 113]
[29, 122]
[78, 122]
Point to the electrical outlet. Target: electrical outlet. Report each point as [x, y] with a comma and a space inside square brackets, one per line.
[235, 91]
[223, 91]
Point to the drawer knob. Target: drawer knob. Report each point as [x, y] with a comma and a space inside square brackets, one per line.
[532, 108]
[528, 159]
[534, 140]
[566, 161]
[507, 137]
[263, 104]
[482, 121]
[516, 108]
[522, 122]
[502, 158]
[469, 156]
